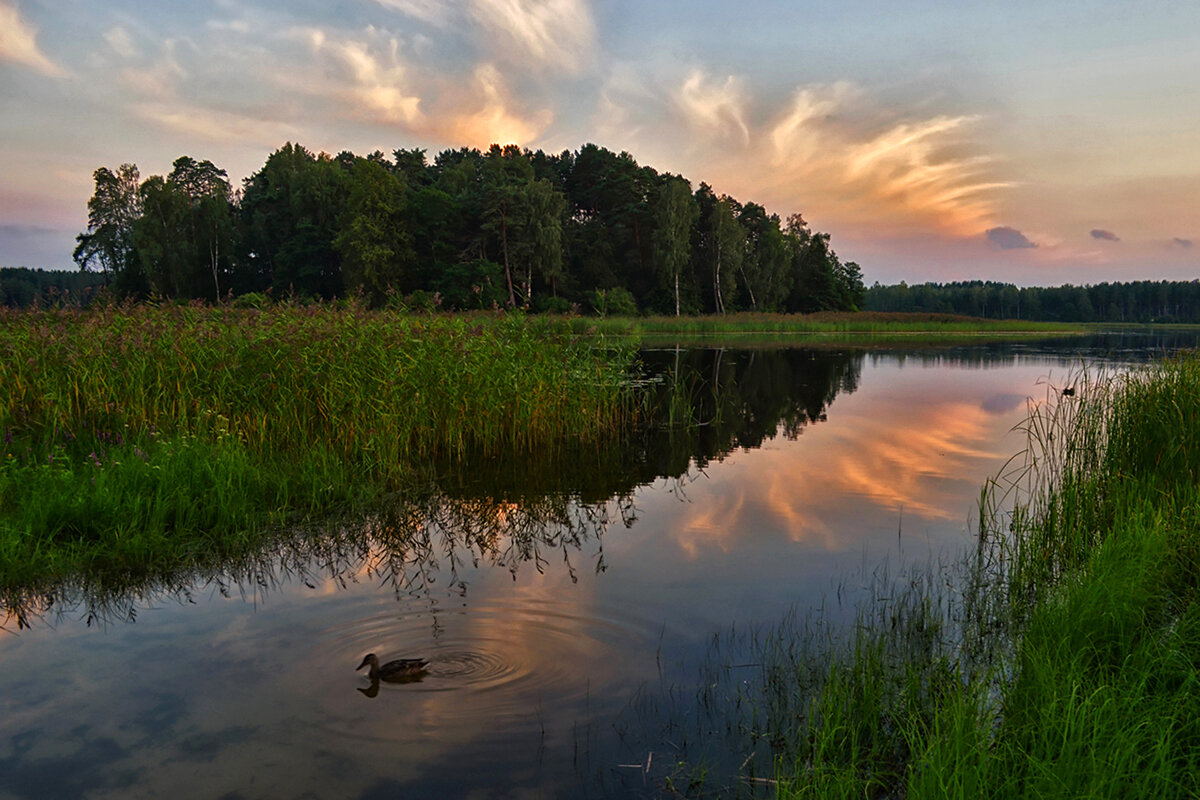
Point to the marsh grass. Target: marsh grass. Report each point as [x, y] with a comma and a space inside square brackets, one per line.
[852, 326]
[1061, 658]
[133, 434]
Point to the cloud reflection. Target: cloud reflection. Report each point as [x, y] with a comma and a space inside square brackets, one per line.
[902, 454]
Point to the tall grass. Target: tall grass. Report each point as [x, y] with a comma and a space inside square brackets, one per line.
[855, 324]
[124, 426]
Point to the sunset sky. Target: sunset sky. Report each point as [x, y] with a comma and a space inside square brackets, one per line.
[1032, 142]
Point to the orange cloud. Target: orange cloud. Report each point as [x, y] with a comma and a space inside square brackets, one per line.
[485, 115]
[830, 147]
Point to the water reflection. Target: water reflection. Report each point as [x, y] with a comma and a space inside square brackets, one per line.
[550, 595]
[423, 541]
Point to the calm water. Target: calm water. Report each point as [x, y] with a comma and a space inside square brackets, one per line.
[570, 606]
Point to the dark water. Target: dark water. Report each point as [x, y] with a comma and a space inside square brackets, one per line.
[570, 604]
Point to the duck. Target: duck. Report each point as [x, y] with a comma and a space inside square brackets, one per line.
[398, 670]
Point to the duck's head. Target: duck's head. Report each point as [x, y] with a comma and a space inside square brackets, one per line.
[369, 658]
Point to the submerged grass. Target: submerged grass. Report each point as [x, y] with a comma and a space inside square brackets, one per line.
[133, 435]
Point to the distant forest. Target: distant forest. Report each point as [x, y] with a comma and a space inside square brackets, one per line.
[590, 230]
[1136, 301]
[21, 287]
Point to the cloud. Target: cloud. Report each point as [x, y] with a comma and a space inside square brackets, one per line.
[835, 144]
[374, 76]
[558, 33]
[525, 34]
[120, 41]
[1108, 236]
[157, 79]
[434, 12]
[715, 107]
[835, 148]
[18, 42]
[215, 125]
[485, 115]
[1184, 243]
[1008, 238]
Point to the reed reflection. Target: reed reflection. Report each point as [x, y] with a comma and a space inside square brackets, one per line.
[898, 448]
[703, 405]
[413, 543]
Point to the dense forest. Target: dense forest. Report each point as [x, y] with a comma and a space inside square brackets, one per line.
[589, 229]
[1135, 301]
[21, 287]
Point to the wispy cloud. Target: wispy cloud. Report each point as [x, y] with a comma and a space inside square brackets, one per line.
[216, 125]
[18, 42]
[374, 75]
[1107, 236]
[558, 33]
[120, 41]
[715, 107]
[528, 34]
[157, 78]
[434, 12]
[1007, 238]
[832, 147]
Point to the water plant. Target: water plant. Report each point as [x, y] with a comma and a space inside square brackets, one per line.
[131, 432]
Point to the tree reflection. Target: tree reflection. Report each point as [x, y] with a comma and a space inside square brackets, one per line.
[514, 512]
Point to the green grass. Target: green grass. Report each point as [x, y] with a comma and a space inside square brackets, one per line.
[847, 326]
[1066, 662]
[135, 437]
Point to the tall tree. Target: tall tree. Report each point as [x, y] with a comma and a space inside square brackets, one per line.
[290, 209]
[211, 229]
[726, 249]
[506, 175]
[162, 238]
[542, 242]
[374, 242]
[108, 244]
[675, 212]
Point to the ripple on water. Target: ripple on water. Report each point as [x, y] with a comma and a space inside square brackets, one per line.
[502, 666]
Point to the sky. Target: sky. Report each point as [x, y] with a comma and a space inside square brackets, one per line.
[1038, 143]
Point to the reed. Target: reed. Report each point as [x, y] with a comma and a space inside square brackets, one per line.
[132, 425]
[929, 327]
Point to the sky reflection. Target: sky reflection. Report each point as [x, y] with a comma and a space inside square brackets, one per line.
[546, 632]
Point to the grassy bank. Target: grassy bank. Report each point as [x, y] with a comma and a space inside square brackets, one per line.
[137, 437]
[1062, 661]
[852, 326]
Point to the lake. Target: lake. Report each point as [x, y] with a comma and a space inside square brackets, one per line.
[587, 615]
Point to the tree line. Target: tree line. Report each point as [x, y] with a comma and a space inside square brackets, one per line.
[1132, 301]
[22, 287]
[473, 229]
